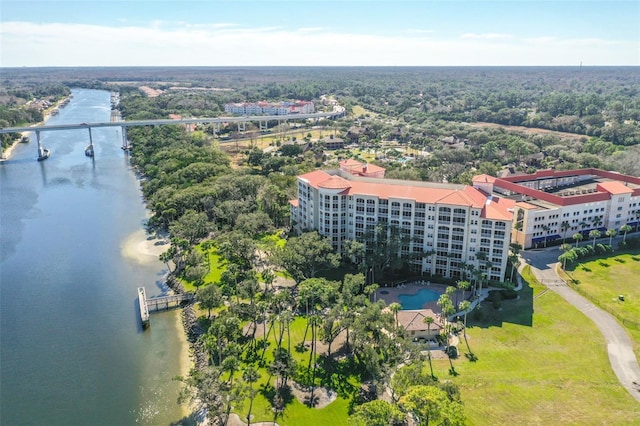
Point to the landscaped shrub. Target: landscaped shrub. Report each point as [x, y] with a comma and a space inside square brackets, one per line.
[633, 242]
[477, 313]
[509, 294]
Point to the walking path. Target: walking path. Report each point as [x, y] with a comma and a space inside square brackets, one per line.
[623, 361]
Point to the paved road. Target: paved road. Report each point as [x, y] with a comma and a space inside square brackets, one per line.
[619, 346]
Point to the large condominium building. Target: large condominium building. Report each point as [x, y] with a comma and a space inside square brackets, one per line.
[450, 224]
[270, 108]
[550, 205]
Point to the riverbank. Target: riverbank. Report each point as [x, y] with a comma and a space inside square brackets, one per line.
[145, 249]
[45, 116]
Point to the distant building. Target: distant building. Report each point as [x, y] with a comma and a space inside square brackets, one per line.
[270, 108]
[551, 205]
[332, 143]
[451, 224]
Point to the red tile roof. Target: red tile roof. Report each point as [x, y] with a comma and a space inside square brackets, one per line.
[335, 182]
[483, 179]
[614, 187]
[456, 195]
[499, 209]
[526, 206]
[294, 203]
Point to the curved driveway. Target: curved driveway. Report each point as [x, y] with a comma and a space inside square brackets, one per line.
[619, 346]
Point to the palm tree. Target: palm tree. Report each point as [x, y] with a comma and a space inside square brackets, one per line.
[577, 238]
[464, 286]
[231, 364]
[450, 290]
[429, 320]
[611, 233]
[250, 375]
[515, 263]
[595, 234]
[624, 229]
[286, 318]
[395, 307]
[565, 248]
[464, 307]
[564, 227]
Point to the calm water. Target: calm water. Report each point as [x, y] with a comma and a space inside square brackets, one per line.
[72, 351]
[416, 301]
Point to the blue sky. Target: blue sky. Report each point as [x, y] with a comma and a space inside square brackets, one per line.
[308, 32]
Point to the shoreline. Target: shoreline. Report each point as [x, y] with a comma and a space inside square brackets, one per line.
[144, 249]
[45, 116]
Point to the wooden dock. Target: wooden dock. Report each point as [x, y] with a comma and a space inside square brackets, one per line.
[159, 303]
[144, 311]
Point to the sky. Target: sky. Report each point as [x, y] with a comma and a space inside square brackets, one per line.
[319, 33]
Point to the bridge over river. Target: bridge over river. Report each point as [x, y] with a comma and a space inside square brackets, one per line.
[43, 153]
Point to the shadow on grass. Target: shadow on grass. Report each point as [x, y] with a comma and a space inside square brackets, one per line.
[518, 311]
[335, 374]
[279, 398]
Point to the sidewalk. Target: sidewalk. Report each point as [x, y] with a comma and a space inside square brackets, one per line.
[543, 264]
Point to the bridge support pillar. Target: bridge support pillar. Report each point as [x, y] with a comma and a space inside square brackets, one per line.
[263, 126]
[242, 126]
[125, 141]
[43, 153]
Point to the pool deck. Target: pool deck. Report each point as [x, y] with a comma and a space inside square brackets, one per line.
[410, 289]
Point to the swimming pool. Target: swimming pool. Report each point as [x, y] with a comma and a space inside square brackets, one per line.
[416, 301]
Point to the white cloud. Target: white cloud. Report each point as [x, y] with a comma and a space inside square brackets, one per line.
[418, 31]
[310, 29]
[227, 44]
[486, 36]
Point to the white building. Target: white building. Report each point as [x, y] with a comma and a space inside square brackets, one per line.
[552, 205]
[451, 224]
[270, 108]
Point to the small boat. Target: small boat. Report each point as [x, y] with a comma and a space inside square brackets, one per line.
[44, 154]
[24, 139]
[88, 151]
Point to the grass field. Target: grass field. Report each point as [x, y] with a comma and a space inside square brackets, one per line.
[603, 280]
[358, 110]
[296, 413]
[540, 362]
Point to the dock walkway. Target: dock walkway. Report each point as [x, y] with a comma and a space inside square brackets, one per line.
[159, 303]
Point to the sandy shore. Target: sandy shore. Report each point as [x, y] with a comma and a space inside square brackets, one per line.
[184, 361]
[138, 246]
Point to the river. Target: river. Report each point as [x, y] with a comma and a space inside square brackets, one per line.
[72, 349]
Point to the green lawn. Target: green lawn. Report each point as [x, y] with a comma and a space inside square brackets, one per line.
[540, 361]
[296, 413]
[217, 266]
[603, 280]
